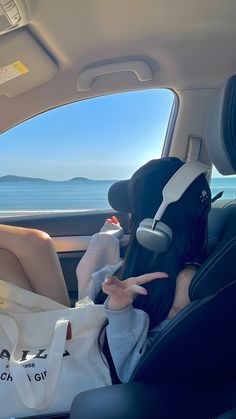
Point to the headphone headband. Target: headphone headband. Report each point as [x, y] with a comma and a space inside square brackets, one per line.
[178, 184]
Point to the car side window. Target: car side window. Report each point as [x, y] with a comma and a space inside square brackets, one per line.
[223, 184]
[65, 160]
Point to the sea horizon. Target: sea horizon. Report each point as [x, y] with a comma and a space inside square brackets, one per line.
[55, 197]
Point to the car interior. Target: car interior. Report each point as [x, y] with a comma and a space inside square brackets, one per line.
[56, 52]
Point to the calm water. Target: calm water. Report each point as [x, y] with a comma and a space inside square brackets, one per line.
[73, 196]
[53, 196]
[228, 185]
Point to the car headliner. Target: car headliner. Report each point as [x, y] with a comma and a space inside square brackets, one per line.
[188, 44]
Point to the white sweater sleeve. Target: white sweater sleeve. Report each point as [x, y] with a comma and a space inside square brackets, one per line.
[100, 259]
[128, 338]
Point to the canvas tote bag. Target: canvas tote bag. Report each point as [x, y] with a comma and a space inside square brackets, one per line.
[47, 356]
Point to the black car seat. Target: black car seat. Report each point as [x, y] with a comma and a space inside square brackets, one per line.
[190, 370]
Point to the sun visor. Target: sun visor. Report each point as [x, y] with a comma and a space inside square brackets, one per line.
[24, 64]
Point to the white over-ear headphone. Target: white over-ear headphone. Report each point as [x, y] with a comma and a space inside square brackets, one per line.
[155, 235]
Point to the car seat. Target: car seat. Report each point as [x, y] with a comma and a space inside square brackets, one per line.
[190, 370]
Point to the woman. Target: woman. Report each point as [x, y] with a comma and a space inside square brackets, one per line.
[136, 314]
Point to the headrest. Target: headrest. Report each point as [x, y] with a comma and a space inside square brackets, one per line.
[142, 194]
[221, 129]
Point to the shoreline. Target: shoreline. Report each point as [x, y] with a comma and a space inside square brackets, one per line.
[20, 213]
[25, 213]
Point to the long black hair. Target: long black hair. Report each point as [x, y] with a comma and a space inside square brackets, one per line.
[188, 221]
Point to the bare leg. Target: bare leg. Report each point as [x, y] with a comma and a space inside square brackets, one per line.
[12, 271]
[35, 251]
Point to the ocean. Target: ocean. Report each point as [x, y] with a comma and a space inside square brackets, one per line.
[225, 184]
[23, 197]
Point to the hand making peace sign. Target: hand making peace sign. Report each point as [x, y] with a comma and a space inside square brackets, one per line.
[122, 293]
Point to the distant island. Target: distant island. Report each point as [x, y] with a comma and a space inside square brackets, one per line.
[74, 179]
[12, 178]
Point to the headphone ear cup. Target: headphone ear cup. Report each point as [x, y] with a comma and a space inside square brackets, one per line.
[157, 240]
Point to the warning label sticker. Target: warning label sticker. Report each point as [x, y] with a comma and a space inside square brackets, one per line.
[12, 71]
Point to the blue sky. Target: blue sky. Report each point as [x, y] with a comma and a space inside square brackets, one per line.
[103, 138]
